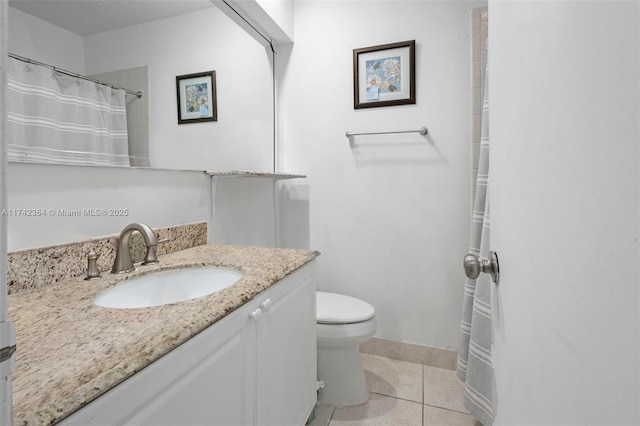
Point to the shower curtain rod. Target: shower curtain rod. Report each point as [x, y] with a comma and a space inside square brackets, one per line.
[73, 74]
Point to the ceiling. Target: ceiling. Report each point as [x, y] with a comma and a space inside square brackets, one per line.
[87, 17]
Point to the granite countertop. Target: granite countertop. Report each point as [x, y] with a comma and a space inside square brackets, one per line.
[70, 351]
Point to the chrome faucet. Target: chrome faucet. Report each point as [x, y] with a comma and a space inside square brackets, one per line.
[123, 262]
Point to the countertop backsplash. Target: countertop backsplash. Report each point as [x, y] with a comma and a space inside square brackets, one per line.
[34, 268]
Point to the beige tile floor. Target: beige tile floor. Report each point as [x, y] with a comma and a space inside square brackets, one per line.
[402, 394]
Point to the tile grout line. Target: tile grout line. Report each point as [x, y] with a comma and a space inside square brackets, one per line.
[451, 410]
[423, 398]
[333, 410]
[395, 397]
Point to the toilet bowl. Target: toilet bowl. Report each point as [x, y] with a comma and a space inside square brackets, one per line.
[343, 322]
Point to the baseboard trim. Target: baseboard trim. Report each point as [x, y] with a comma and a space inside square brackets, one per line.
[421, 354]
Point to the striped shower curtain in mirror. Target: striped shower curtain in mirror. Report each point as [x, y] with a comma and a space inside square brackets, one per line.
[475, 367]
[56, 118]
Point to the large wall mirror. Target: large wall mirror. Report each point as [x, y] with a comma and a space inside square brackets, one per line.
[144, 46]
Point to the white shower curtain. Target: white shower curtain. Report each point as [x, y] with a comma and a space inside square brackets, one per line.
[56, 118]
[475, 366]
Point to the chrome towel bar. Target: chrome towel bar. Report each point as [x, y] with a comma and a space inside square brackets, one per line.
[422, 130]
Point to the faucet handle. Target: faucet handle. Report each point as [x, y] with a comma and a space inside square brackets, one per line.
[152, 255]
[92, 267]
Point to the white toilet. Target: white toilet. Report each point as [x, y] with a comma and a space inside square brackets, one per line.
[343, 322]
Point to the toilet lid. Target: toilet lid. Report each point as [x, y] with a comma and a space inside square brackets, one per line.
[332, 308]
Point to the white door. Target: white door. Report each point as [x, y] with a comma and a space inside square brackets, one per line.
[565, 132]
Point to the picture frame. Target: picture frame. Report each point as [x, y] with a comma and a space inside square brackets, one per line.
[384, 75]
[197, 97]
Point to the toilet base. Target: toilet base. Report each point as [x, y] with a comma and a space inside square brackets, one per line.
[344, 381]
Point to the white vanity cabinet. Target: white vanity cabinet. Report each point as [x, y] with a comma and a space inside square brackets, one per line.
[256, 366]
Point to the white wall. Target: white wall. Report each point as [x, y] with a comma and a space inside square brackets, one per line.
[244, 211]
[261, 211]
[390, 214]
[565, 126]
[39, 40]
[242, 138]
[159, 198]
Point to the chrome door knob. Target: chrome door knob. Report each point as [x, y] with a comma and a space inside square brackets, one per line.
[473, 266]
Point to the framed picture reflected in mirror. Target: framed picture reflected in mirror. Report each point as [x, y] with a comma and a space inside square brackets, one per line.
[197, 97]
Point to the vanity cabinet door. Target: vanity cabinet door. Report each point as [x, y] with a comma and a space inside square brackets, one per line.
[286, 368]
[208, 380]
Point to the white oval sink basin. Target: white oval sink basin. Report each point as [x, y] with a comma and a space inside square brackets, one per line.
[166, 287]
